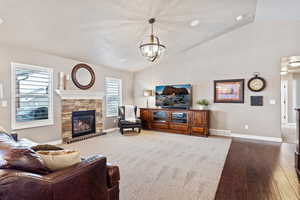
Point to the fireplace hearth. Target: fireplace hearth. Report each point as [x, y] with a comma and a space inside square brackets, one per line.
[83, 123]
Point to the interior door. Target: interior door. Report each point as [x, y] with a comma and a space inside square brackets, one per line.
[284, 101]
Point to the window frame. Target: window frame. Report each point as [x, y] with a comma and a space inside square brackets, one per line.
[120, 95]
[36, 123]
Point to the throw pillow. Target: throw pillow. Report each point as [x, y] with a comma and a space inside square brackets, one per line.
[15, 156]
[46, 147]
[56, 160]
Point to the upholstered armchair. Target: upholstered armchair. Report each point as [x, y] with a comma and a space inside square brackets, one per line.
[124, 124]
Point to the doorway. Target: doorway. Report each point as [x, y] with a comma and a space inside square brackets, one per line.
[284, 100]
[290, 97]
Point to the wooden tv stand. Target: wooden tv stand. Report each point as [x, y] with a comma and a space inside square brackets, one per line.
[188, 122]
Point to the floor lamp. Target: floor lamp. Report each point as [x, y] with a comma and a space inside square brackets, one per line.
[148, 93]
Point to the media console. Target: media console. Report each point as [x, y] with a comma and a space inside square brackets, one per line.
[188, 122]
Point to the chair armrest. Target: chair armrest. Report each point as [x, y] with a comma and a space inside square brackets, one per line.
[113, 175]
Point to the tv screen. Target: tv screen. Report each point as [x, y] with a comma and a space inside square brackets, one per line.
[174, 96]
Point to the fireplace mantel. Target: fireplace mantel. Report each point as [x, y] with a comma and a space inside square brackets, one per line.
[79, 94]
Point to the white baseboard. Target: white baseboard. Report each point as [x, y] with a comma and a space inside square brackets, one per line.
[256, 137]
[227, 133]
[220, 132]
[110, 130]
[290, 124]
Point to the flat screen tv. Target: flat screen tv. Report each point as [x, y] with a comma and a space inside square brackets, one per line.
[174, 96]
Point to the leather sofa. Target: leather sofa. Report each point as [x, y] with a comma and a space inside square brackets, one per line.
[92, 179]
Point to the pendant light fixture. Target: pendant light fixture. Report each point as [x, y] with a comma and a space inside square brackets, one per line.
[150, 47]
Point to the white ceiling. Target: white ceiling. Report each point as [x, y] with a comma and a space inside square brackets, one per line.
[278, 10]
[108, 32]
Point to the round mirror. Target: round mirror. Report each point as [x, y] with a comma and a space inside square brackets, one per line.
[83, 76]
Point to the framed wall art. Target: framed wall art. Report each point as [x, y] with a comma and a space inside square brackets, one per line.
[229, 91]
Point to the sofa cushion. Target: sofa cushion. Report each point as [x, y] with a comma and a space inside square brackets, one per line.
[15, 156]
[124, 122]
[56, 160]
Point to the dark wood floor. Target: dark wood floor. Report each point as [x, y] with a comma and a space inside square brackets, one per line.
[256, 170]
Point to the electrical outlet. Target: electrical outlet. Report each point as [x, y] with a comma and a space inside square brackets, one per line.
[272, 101]
[246, 127]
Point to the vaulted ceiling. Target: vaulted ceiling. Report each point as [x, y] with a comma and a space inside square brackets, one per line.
[108, 32]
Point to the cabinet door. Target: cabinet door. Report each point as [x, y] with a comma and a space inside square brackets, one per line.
[199, 119]
[144, 114]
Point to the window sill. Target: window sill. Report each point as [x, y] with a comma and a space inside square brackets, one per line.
[34, 124]
[111, 115]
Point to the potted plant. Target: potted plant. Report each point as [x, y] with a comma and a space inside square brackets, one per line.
[202, 104]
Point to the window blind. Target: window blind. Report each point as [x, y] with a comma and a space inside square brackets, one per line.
[31, 94]
[113, 96]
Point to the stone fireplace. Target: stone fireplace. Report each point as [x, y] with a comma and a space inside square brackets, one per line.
[81, 115]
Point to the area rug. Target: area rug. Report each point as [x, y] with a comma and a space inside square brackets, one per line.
[162, 166]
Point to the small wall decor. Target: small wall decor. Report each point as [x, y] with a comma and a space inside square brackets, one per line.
[256, 100]
[83, 76]
[256, 83]
[229, 91]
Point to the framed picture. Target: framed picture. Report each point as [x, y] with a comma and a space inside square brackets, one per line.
[229, 91]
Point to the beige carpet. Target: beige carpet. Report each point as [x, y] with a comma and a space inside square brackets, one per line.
[162, 166]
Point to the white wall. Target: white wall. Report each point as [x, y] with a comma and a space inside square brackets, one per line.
[257, 47]
[59, 64]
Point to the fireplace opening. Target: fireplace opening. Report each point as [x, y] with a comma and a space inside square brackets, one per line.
[83, 123]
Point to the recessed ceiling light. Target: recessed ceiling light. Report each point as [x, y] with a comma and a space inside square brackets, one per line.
[194, 23]
[1, 20]
[239, 18]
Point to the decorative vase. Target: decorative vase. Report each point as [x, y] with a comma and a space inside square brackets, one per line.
[61, 76]
[202, 107]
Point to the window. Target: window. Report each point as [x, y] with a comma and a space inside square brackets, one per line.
[32, 96]
[113, 92]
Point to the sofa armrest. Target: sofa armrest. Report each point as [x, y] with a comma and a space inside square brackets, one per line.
[113, 175]
[84, 165]
[21, 185]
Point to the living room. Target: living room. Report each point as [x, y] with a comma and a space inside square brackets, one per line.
[149, 100]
